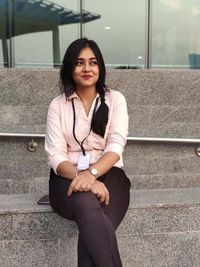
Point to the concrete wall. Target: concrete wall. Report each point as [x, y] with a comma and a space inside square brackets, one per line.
[162, 103]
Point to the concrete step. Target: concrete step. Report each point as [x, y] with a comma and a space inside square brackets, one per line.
[154, 165]
[161, 228]
[22, 171]
[160, 180]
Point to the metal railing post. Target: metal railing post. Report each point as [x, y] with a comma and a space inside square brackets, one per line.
[81, 18]
[148, 38]
[10, 23]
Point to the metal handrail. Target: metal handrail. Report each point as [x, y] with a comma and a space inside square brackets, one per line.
[129, 138]
[33, 135]
[164, 140]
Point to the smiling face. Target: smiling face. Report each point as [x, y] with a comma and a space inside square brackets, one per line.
[86, 71]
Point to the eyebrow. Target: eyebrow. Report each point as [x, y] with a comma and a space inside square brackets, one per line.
[80, 58]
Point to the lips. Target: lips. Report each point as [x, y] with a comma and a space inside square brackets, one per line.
[86, 77]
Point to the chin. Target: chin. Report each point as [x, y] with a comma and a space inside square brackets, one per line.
[87, 84]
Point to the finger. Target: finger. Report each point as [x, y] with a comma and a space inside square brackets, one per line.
[74, 188]
[93, 189]
[102, 198]
[83, 187]
[70, 190]
[107, 197]
[98, 191]
[77, 186]
[73, 183]
[88, 187]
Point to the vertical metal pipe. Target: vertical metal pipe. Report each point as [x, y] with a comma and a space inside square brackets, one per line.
[10, 24]
[148, 41]
[56, 47]
[13, 25]
[8, 32]
[5, 52]
[81, 18]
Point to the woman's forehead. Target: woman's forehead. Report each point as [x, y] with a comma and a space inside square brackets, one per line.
[86, 52]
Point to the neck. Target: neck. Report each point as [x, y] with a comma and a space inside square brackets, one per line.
[86, 94]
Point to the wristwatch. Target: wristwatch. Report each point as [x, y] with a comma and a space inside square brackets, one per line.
[94, 172]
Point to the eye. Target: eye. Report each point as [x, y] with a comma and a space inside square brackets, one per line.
[93, 62]
[79, 62]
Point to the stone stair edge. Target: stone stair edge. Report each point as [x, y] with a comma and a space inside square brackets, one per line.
[140, 199]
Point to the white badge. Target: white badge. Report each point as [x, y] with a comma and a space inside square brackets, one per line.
[83, 161]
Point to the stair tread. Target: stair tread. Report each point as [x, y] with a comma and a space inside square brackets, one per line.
[140, 198]
[22, 203]
[144, 198]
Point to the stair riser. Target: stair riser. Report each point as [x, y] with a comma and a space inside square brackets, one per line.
[154, 165]
[161, 103]
[147, 165]
[173, 249]
[138, 221]
[147, 237]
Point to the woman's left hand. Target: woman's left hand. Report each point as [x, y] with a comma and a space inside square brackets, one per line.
[82, 182]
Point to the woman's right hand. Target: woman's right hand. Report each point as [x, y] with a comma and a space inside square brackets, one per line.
[100, 190]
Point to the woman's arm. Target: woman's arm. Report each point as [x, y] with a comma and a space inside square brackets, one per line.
[106, 162]
[67, 170]
[55, 143]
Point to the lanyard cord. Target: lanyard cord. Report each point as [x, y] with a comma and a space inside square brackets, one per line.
[74, 122]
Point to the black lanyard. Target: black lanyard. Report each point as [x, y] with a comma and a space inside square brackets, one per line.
[74, 122]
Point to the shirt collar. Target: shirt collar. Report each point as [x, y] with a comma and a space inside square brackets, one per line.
[74, 95]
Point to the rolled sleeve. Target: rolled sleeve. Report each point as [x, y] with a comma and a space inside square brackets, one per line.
[118, 128]
[55, 143]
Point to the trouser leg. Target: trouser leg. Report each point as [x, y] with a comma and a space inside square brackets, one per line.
[96, 230]
[62, 205]
[118, 186]
[96, 227]
[84, 258]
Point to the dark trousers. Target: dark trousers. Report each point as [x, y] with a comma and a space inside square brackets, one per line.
[97, 222]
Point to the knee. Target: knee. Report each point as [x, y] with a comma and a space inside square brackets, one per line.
[84, 203]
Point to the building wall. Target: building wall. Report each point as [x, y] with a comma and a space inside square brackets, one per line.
[121, 32]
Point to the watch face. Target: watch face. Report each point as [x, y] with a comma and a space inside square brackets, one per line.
[94, 171]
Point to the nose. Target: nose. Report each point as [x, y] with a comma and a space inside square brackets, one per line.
[86, 67]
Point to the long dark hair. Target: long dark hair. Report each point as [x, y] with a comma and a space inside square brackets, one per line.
[68, 86]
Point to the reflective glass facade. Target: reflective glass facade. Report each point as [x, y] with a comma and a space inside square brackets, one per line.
[175, 34]
[120, 32]
[131, 34]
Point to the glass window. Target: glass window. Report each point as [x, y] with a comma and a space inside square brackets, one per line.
[42, 30]
[119, 31]
[4, 44]
[175, 34]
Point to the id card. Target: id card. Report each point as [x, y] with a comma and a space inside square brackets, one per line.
[83, 161]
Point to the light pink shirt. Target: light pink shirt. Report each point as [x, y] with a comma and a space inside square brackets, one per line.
[60, 144]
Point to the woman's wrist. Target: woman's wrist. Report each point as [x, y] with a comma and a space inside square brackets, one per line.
[75, 174]
[93, 171]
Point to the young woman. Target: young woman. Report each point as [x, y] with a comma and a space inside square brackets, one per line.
[86, 132]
